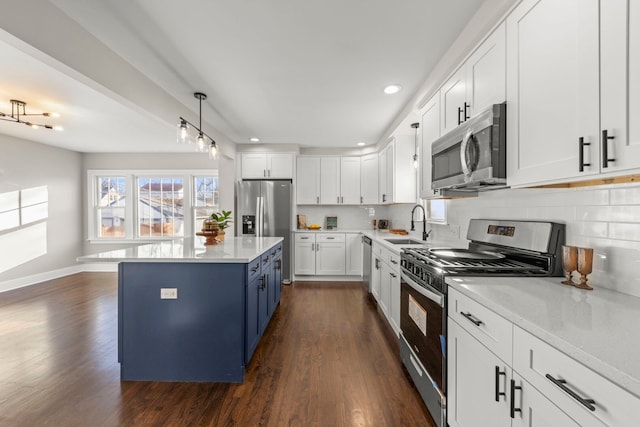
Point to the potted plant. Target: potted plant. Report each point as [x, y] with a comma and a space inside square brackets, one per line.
[224, 220]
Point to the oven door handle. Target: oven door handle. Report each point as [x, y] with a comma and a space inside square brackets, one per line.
[433, 296]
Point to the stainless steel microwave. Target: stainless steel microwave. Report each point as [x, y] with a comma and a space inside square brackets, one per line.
[473, 156]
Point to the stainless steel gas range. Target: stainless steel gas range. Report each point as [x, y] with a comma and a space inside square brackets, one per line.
[496, 248]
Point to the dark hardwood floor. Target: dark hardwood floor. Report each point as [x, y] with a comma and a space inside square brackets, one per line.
[326, 359]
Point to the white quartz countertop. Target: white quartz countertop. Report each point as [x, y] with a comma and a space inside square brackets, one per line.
[599, 328]
[232, 250]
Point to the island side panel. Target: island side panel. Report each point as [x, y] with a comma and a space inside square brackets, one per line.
[197, 337]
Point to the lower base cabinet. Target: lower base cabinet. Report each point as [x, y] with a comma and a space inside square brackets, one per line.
[327, 254]
[538, 385]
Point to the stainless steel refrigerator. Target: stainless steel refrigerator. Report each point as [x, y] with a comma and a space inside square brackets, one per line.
[264, 209]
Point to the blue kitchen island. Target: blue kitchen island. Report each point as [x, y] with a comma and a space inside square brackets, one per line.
[194, 313]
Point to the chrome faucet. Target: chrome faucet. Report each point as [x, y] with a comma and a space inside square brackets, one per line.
[424, 222]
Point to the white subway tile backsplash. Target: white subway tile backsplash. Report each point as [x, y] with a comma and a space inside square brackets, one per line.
[624, 231]
[625, 196]
[622, 213]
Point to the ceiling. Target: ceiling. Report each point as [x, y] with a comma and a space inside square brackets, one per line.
[286, 71]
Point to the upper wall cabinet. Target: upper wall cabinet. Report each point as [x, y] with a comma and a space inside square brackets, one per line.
[620, 91]
[552, 87]
[308, 180]
[478, 83]
[571, 122]
[267, 165]
[328, 180]
[430, 131]
[369, 178]
[396, 174]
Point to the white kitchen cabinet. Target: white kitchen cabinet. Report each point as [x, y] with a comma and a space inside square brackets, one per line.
[305, 253]
[267, 165]
[385, 289]
[330, 254]
[477, 84]
[369, 178]
[620, 86]
[394, 300]
[320, 254]
[486, 351]
[552, 90]
[329, 180]
[376, 272]
[353, 259]
[474, 374]
[429, 132]
[350, 188]
[397, 175]
[308, 180]
[386, 284]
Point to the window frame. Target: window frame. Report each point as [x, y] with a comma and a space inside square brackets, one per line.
[132, 234]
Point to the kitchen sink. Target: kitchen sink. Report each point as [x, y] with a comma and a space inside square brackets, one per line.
[405, 241]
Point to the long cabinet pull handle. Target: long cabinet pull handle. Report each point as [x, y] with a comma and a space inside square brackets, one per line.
[581, 145]
[466, 106]
[317, 200]
[514, 387]
[459, 114]
[471, 319]
[393, 275]
[498, 392]
[360, 199]
[588, 403]
[605, 149]
[338, 201]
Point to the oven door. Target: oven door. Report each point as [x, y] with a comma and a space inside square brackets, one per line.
[422, 343]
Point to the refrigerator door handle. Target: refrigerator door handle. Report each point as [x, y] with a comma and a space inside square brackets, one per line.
[258, 217]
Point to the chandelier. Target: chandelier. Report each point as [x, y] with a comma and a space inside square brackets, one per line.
[18, 115]
[187, 133]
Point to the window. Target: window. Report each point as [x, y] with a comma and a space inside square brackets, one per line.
[205, 198]
[437, 210]
[128, 205]
[110, 209]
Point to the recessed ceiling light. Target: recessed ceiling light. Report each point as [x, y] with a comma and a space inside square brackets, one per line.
[254, 139]
[360, 144]
[391, 89]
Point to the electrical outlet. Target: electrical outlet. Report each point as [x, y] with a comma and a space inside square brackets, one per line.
[168, 293]
[455, 231]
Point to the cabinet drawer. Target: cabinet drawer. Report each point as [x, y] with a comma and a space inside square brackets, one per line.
[253, 269]
[330, 237]
[492, 330]
[537, 361]
[393, 260]
[305, 237]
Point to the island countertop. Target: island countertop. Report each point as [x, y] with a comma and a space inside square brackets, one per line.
[232, 250]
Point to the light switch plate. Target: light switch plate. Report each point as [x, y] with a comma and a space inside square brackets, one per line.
[168, 293]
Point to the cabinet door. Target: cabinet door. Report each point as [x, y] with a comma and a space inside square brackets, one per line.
[394, 301]
[254, 165]
[252, 336]
[305, 258]
[263, 302]
[385, 289]
[473, 382]
[353, 254]
[350, 180]
[403, 171]
[485, 73]
[452, 101]
[271, 287]
[430, 131]
[369, 178]
[330, 259]
[308, 181]
[552, 90]
[278, 279]
[376, 273]
[535, 409]
[280, 166]
[620, 80]
[383, 172]
[330, 180]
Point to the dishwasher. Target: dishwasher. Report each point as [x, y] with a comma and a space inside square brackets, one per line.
[366, 261]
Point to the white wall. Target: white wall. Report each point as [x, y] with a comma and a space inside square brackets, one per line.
[349, 217]
[147, 161]
[46, 245]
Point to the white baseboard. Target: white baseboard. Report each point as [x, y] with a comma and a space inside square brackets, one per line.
[55, 274]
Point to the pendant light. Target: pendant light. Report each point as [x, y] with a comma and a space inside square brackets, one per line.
[203, 142]
[416, 162]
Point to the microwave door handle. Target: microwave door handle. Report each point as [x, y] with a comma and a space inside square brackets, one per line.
[464, 160]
